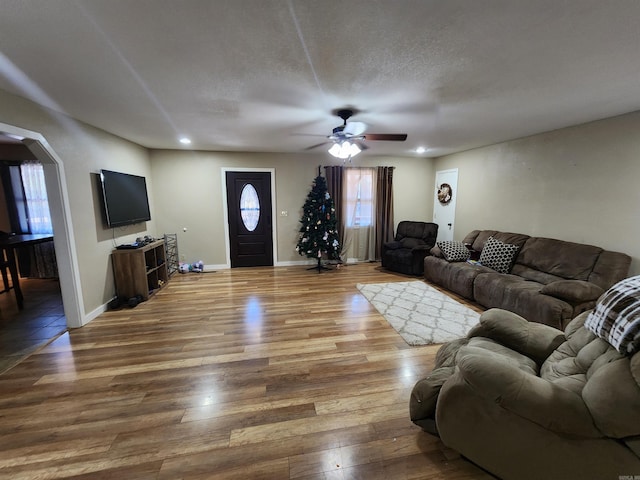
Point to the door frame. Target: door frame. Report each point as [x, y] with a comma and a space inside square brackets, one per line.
[452, 205]
[225, 210]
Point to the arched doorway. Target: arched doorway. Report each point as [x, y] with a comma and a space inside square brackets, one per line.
[61, 218]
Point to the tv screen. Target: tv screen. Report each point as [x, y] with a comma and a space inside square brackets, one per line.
[124, 198]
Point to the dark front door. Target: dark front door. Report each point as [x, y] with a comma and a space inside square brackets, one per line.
[249, 211]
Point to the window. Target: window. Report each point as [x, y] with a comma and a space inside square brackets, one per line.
[35, 197]
[249, 207]
[359, 196]
[26, 197]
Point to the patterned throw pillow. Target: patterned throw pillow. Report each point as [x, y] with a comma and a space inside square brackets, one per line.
[616, 318]
[454, 251]
[498, 255]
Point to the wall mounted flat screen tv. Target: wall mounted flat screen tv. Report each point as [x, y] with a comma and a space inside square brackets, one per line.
[125, 198]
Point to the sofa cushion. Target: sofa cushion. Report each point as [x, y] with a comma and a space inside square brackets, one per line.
[616, 317]
[526, 395]
[392, 245]
[534, 275]
[455, 276]
[556, 257]
[498, 255]
[610, 268]
[514, 293]
[490, 348]
[514, 238]
[454, 251]
[576, 359]
[415, 229]
[574, 291]
[533, 339]
[409, 242]
[478, 238]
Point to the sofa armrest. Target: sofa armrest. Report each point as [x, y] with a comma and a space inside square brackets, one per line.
[535, 340]
[573, 291]
[552, 407]
[424, 395]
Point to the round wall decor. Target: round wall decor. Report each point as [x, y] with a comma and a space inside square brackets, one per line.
[445, 193]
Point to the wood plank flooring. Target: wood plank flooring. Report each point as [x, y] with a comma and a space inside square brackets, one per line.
[262, 373]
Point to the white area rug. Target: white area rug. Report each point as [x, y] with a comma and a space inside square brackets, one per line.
[420, 314]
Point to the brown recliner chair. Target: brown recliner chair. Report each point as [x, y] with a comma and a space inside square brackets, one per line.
[526, 401]
[412, 243]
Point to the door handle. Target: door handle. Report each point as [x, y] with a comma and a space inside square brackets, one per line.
[449, 225]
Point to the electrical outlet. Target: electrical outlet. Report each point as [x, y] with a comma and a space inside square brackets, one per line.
[284, 213]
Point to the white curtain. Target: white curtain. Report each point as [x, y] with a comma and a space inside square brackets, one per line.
[35, 193]
[359, 207]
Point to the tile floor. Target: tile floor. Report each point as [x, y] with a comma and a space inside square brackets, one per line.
[24, 331]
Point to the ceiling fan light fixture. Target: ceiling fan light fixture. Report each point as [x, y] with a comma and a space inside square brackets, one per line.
[335, 150]
[354, 150]
[344, 149]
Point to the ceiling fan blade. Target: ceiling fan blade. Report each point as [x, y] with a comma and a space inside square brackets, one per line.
[390, 137]
[355, 128]
[361, 145]
[317, 145]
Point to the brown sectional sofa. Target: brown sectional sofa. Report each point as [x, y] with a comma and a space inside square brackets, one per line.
[551, 281]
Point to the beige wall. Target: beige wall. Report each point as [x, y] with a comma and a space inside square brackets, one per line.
[188, 192]
[84, 150]
[578, 184]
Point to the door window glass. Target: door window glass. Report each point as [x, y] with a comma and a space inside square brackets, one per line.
[249, 207]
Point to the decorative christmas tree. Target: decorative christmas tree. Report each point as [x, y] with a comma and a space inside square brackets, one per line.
[319, 232]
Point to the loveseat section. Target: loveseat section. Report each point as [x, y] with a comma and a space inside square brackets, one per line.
[457, 277]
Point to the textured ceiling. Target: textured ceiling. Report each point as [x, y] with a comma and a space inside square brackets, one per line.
[265, 75]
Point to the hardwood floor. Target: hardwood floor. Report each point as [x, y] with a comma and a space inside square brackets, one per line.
[262, 373]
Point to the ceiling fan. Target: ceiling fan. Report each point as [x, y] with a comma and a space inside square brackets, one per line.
[348, 139]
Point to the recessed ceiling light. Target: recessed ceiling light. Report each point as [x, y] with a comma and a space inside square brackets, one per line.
[421, 150]
[185, 141]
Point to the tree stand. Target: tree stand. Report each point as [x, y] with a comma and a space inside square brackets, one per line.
[319, 267]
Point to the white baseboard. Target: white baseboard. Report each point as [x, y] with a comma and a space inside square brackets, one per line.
[294, 263]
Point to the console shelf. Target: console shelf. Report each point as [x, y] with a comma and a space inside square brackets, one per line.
[140, 271]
